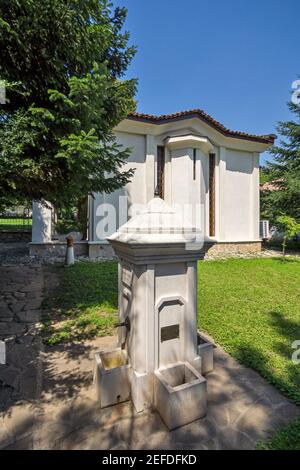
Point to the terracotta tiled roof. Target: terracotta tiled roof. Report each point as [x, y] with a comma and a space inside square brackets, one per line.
[198, 113]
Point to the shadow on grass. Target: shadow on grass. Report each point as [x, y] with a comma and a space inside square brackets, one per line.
[80, 302]
[285, 259]
[283, 373]
[84, 284]
[284, 325]
[284, 433]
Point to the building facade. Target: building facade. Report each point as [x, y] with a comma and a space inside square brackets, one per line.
[188, 159]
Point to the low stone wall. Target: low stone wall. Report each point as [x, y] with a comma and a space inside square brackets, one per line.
[9, 236]
[103, 251]
[99, 251]
[57, 249]
[221, 250]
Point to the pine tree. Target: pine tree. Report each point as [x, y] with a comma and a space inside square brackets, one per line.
[284, 172]
[62, 63]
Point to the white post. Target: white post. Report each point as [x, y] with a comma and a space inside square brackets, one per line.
[255, 213]
[2, 352]
[70, 251]
[150, 167]
[222, 178]
[41, 222]
[217, 197]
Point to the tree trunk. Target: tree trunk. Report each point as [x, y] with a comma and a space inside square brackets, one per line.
[283, 246]
[82, 216]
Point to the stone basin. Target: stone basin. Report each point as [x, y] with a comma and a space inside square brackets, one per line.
[176, 386]
[113, 359]
[112, 374]
[206, 352]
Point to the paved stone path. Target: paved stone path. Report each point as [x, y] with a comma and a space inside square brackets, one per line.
[20, 301]
[14, 253]
[242, 410]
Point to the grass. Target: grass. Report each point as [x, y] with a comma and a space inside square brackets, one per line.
[15, 224]
[288, 438]
[252, 308]
[83, 304]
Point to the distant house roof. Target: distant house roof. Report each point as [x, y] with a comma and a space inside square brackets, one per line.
[271, 185]
[198, 113]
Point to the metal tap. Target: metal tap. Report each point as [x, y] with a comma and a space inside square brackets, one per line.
[125, 323]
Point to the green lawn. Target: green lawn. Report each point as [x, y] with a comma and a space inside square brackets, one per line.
[251, 307]
[15, 224]
[83, 305]
[287, 438]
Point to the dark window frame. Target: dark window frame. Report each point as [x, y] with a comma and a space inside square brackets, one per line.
[194, 163]
[160, 171]
[212, 194]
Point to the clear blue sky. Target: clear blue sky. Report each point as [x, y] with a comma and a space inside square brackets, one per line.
[235, 59]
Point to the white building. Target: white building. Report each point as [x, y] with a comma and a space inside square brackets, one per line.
[188, 158]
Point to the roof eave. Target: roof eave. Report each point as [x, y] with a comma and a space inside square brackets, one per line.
[158, 120]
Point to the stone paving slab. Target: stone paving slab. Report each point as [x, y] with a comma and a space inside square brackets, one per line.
[21, 294]
[242, 410]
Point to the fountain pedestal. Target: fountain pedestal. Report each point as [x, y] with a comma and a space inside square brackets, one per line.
[157, 279]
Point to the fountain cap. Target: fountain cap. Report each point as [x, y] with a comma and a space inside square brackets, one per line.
[157, 223]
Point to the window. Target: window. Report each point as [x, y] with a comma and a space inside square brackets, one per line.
[212, 165]
[194, 163]
[160, 171]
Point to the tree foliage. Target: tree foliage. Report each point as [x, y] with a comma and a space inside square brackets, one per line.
[283, 173]
[289, 227]
[63, 63]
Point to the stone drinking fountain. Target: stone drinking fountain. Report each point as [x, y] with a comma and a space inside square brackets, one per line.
[161, 359]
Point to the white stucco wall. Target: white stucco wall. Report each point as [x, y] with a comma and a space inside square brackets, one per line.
[236, 179]
[181, 176]
[237, 197]
[135, 191]
[203, 182]
[236, 186]
[187, 191]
